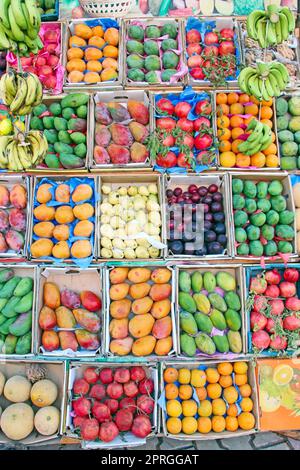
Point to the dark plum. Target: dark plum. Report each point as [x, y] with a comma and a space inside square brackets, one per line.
[219, 216]
[220, 228]
[216, 207]
[205, 208]
[201, 252]
[188, 251]
[209, 216]
[215, 248]
[207, 200]
[217, 197]
[222, 239]
[169, 193]
[180, 199]
[213, 188]
[207, 225]
[195, 197]
[177, 191]
[189, 201]
[202, 191]
[177, 247]
[192, 188]
[210, 236]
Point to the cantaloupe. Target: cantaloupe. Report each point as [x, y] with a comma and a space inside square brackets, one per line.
[298, 219]
[17, 389]
[46, 420]
[43, 393]
[296, 194]
[17, 421]
[2, 382]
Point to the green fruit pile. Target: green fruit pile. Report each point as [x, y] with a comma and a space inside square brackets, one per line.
[288, 128]
[16, 299]
[46, 7]
[210, 319]
[64, 124]
[149, 57]
[263, 225]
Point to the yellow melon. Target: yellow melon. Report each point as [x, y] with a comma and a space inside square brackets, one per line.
[43, 393]
[46, 420]
[17, 389]
[17, 421]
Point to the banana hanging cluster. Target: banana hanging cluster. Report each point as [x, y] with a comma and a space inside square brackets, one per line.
[264, 81]
[272, 26]
[16, 155]
[20, 22]
[259, 140]
[20, 92]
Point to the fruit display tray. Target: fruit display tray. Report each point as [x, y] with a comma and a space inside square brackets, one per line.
[56, 371]
[211, 435]
[76, 370]
[75, 279]
[233, 269]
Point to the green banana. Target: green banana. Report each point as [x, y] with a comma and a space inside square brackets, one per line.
[255, 134]
[274, 80]
[261, 33]
[4, 41]
[266, 138]
[4, 4]
[265, 94]
[34, 16]
[243, 78]
[16, 31]
[269, 88]
[290, 17]
[252, 20]
[4, 141]
[18, 14]
[279, 32]
[283, 72]
[19, 99]
[284, 25]
[271, 34]
[10, 83]
[24, 157]
[252, 125]
[254, 86]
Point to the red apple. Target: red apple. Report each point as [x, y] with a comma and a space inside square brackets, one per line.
[226, 48]
[211, 38]
[193, 48]
[182, 109]
[195, 61]
[197, 73]
[193, 36]
[227, 33]
[203, 107]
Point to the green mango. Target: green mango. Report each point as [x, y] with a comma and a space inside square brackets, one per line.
[288, 163]
[136, 32]
[237, 186]
[243, 249]
[22, 324]
[240, 235]
[167, 74]
[52, 160]
[23, 287]
[250, 206]
[268, 232]
[51, 136]
[250, 190]
[152, 62]
[152, 77]
[170, 60]
[233, 320]
[136, 75]
[48, 122]
[187, 302]
[74, 100]
[168, 44]
[285, 247]
[78, 138]
[9, 287]
[59, 147]
[2, 340]
[218, 320]
[82, 111]
[9, 344]
[270, 249]
[25, 303]
[278, 203]
[205, 344]
[264, 205]
[55, 109]
[202, 303]
[3, 302]
[9, 310]
[36, 123]
[196, 282]
[238, 202]
[286, 217]
[272, 217]
[184, 281]
[258, 219]
[24, 344]
[235, 341]
[226, 281]
[170, 29]
[70, 161]
[217, 302]
[240, 218]
[188, 323]
[67, 114]
[284, 231]
[256, 248]
[134, 61]
[232, 300]
[3, 318]
[6, 274]
[204, 323]
[64, 137]
[4, 328]
[151, 47]
[221, 343]
[187, 345]
[80, 150]
[152, 32]
[275, 188]
[262, 189]
[253, 233]
[209, 282]
[40, 109]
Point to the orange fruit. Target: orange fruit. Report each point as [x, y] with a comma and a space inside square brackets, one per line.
[231, 423]
[254, 100]
[91, 53]
[218, 407]
[214, 390]
[174, 408]
[205, 408]
[245, 390]
[236, 121]
[272, 161]
[222, 109]
[75, 76]
[204, 424]
[98, 31]
[246, 404]
[227, 159]
[218, 423]
[248, 120]
[189, 407]
[225, 368]
[258, 160]
[184, 376]
[240, 379]
[237, 108]
[83, 31]
[232, 98]
[272, 149]
[267, 103]
[170, 375]
[225, 146]
[109, 62]
[225, 381]
[240, 367]
[76, 41]
[76, 64]
[236, 132]
[111, 36]
[92, 77]
[185, 392]
[171, 391]
[212, 375]
[174, 425]
[96, 41]
[268, 122]
[246, 421]
[244, 98]
[273, 137]
[232, 410]
[242, 161]
[230, 395]
[224, 133]
[111, 51]
[251, 109]
[109, 74]
[223, 121]
[189, 425]
[235, 144]
[201, 393]
[75, 53]
[266, 112]
[221, 98]
[94, 66]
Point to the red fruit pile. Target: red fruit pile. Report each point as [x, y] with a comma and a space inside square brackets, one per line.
[211, 56]
[109, 401]
[190, 137]
[275, 315]
[13, 217]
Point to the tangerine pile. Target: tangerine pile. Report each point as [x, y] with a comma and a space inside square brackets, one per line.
[224, 399]
[231, 123]
[93, 54]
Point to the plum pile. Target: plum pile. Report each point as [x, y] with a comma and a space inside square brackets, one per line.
[215, 239]
[13, 218]
[109, 401]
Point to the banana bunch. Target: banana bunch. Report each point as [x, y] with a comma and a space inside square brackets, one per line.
[259, 140]
[21, 92]
[272, 26]
[20, 22]
[265, 81]
[20, 155]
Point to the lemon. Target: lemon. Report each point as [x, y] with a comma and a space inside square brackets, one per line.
[6, 127]
[283, 374]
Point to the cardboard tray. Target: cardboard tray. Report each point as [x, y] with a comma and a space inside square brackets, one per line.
[287, 95]
[48, 100]
[237, 271]
[256, 177]
[56, 371]
[211, 435]
[221, 179]
[61, 179]
[126, 439]
[78, 280]
[121, 96]
[117, 180]
[107, 285]
[25, 270]
[52, 16]
[82, 86]
[9, 180]
[159, 21]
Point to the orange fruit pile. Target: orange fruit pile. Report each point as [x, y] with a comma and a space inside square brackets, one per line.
[230, 109]
[224, 399]
[93, 54]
